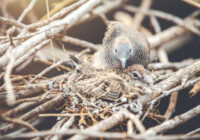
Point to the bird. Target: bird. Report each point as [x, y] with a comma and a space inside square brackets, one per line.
[138, 72]
[122, 46]
[109, 84]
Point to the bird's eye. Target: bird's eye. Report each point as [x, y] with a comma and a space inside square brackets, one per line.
[136, 75]
[130, 50]
[116, 50]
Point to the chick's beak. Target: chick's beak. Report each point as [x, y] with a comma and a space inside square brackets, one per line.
[123, 62]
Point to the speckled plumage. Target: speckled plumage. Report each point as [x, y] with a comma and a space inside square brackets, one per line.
[120, 35]
[108, 84]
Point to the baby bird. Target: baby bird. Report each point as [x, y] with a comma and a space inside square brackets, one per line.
[122, 47]
[138, 72]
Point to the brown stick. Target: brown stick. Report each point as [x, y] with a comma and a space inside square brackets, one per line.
[138, 18]
[34, 112]
[174, 122]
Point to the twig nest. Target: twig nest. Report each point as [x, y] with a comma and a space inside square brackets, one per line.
[108, 84]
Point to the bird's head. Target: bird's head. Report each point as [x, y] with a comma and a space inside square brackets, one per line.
[138, 72]
[122, 50]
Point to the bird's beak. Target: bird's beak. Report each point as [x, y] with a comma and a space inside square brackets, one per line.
[123, 62]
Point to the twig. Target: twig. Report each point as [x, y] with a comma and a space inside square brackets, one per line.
[20, 37]
[31, 53]
[61, 115]
[58, 15]
[65, 127]
[4, 9]
[172, 105]
[178, 88]
[193, 3]
[138, 18]
[166, 35]
[71, 19]
[12, 22]
[166, 16]
[130, 127]
[180, 76]
[136, 121]
[157, 116]
[163, 57]
[174, 122]
[195, 89]
[155, 24]
[171, 65]
[193, 132]
[78, 42]
[28, 87]
[147, 112]
[24, 64]
[21, 94]
[47, 70]
[50, 63]
[85, 100]
[24, 106]
[22, 16]
[82, 53]
[103, 125]
[94, 134]
[56, 127]
[9, 88]
[34, 112]
[110, 122]
[47, 8]
[106, 7]
[28, 9]
[32, 99]
[20, 122]
[104, 19]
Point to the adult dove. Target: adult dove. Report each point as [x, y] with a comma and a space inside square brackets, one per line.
[121, 47]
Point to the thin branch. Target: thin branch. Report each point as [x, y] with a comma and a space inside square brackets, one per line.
[31, 53]
[180, 76]
[25, 106]
[112, 121]
[99, 134]
[27, 10]
[62, 115]
[9, 88]
[20, 122]
[78, 42]
[193, 132]
[166, 16]
[103, 125]
[34, 112]
[56, 16]
[22, 16]
[12, 22]
[53, 30]
[174, 122]
[193, 3]
[47, 70]
[48, 63]
[138, 18]
[171, 65]
[178, 88]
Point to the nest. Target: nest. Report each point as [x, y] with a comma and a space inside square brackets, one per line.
[100, 89]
